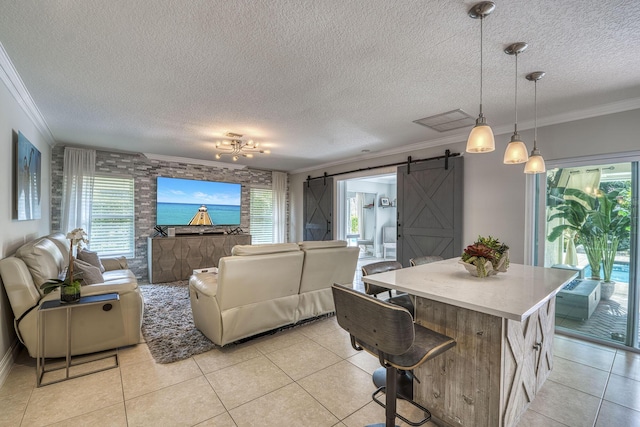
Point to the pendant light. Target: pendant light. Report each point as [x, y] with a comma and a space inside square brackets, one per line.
[536, 162]
[481, 138]
[516, 151]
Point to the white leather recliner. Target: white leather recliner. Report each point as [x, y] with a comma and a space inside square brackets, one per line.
[263, 287]
[255, 290]
[93, 328]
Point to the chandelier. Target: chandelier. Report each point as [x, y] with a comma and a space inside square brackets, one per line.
[236, 147]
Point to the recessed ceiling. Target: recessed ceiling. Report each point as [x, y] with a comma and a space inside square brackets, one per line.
[318, 81]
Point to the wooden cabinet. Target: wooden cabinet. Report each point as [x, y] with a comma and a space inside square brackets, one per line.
[528, 360]
[174, 258]
[495, 370]
[164, 259]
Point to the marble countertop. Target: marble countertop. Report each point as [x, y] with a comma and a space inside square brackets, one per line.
[512, 295]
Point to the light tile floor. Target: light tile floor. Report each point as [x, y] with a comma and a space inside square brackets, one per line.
[306, 376]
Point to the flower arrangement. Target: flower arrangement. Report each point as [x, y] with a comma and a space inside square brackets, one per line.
[486, 257]
[70, 286]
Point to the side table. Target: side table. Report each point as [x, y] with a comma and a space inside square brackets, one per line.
[213, 270]
[68, 307]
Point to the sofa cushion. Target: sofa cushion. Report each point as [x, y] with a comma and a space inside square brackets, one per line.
[92, 258]
[90, 273]
[250, 250]
[18, 285]
[323, 244]
[114, 263]
[43, 259]
[63, 244]
[118, 275]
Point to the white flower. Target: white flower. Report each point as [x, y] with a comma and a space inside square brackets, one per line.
[77, 237]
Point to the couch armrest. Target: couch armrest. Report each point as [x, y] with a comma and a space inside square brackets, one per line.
[114, 263]
[122, 287]
[207, 283]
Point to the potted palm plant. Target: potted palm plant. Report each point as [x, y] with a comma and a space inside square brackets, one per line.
[574, 210]
[611, 223]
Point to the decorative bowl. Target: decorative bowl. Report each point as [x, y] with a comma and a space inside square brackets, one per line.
[489, 269]
[477, 271]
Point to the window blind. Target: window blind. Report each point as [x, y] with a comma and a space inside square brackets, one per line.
[113, 216]
[261, 215]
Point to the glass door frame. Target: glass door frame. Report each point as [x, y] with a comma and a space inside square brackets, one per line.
[535, 234]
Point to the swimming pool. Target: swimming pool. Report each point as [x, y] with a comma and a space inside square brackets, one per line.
[620, 272]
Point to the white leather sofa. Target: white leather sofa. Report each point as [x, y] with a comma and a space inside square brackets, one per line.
[93, 328]
[263, 287]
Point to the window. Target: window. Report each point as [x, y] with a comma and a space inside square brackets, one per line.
[261, 212]
[112, 216]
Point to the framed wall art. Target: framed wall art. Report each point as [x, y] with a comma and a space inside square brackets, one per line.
[28, 180]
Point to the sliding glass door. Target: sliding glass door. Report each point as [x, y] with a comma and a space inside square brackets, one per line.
[590, 222]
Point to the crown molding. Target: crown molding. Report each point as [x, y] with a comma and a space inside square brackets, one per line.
[188, 160]
[447, 140]
[10, 77]
[587, 113]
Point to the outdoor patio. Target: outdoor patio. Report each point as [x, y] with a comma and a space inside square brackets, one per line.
[608, 321]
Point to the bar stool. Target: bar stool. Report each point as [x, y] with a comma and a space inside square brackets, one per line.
[402, 300]
[388, 332]
[427, 259]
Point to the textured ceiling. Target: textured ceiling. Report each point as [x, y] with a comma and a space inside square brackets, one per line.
[319, 81]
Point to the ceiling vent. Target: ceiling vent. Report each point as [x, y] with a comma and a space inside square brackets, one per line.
[450, 120]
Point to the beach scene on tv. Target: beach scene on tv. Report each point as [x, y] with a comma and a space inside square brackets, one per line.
[193, 202]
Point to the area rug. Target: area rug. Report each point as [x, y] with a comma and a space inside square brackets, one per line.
[168, 327]
[167, 324]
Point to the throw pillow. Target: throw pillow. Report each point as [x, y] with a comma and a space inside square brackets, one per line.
[92, 258]
[90, 273]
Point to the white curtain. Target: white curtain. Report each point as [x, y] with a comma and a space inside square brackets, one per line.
[77, 193]
[360, 213]
[587, 180]
[279, 192]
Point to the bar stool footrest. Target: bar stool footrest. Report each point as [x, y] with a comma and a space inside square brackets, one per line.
[379, 425]
[405, 382]
[426, 412]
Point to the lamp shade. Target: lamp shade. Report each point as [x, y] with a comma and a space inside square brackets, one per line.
[481, 139]
[535, 164]
[516, 151]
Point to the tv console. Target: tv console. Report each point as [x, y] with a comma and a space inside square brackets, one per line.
[175, 258]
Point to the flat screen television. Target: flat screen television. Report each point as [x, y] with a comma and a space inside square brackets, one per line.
[184, 202]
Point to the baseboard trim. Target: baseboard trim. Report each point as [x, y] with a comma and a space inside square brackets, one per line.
[7, 361]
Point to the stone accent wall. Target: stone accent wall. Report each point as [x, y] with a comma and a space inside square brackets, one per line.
[144, 171]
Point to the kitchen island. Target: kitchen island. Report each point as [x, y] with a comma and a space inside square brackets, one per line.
[503, 326]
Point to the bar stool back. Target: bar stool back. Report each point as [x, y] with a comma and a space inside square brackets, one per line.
[427, 259]
[403, 300]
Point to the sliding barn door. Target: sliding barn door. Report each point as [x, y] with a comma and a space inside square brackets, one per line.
[430, 209]
[317, 209]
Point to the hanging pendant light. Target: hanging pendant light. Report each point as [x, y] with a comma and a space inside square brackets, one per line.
[516, 151]
[536, 162]
[481, 138]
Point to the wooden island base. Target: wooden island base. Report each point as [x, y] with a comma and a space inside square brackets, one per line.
[493, 373]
